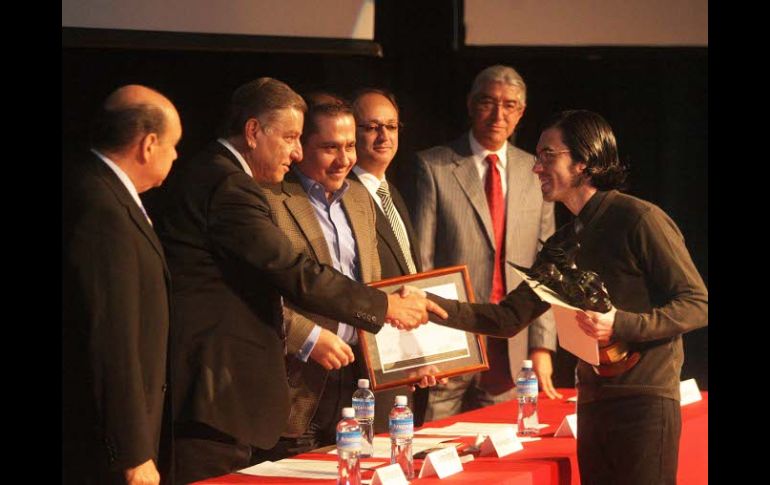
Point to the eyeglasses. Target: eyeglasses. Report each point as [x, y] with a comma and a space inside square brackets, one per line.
[547, 156]
[375, 127]
[487, 104]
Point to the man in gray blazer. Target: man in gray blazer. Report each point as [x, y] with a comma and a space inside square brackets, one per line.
[478, 203]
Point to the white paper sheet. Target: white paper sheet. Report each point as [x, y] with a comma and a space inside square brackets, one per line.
[294, 468]
[571, 338]
[382, 445]
[462, 428]
[297, 468]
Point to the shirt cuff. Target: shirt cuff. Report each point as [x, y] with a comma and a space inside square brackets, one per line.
[304, 352]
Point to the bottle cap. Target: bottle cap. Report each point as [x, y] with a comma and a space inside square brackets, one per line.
[363, 383]
[527, 364]
[348, 412]
[401, 400]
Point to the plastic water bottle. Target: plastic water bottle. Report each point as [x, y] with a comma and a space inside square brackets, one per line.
[401, 425]
[363, 403]
[348, 449]
[526, 392]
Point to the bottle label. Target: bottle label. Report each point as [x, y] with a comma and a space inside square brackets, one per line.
[401, 427]
[364, 408]
[349, 440]
[526, 387]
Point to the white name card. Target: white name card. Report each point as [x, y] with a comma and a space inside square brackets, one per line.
[689, 392]
[389, 475]
[568, 427]
[501, 443]
[443, 463]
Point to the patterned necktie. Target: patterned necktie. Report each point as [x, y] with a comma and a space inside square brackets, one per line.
[390, 212]
[498, 378]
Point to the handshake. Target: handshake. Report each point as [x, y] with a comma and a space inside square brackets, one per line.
[408, 308]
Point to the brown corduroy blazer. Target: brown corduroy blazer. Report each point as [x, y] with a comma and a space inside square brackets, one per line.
[292, 211]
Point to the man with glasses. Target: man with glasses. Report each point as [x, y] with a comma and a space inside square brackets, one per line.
[478, 203]
[377, 128]
[628, 413]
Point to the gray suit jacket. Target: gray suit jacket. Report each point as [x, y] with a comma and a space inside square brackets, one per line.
[451, 217]
[291, 208]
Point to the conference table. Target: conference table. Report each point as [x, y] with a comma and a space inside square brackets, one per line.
[550, 460]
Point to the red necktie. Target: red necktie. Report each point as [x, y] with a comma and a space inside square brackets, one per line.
[498, 378]
[494, 190]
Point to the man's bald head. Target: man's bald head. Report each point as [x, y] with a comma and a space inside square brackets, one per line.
[128, 114]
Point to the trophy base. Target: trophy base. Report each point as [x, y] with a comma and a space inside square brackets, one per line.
[615, 359]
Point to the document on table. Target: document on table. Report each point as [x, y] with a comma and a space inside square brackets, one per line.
[294, 468]
[571, 338]
[472, 429]
[382, 445]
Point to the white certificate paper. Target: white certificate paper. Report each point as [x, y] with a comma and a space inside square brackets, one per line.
[427, 344]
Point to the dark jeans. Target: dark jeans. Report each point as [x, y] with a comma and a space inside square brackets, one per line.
[629, 441]
[203, 452]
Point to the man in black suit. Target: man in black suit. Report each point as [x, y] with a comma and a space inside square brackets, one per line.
[115, 297]
[377, 127]
[230, 264]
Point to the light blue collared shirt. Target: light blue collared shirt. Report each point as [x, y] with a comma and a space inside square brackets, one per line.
[125, 180]
[342, 248]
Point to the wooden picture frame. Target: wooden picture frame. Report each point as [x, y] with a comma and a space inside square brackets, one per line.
[395, 358]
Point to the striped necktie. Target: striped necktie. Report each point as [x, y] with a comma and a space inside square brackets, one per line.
[398, 230]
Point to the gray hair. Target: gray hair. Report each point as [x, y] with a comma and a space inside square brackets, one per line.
[260, 99]
[502, 74]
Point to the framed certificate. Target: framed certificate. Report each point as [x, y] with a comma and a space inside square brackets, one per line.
[395, 357]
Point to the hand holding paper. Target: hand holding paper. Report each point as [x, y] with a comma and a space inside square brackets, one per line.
[597, 325]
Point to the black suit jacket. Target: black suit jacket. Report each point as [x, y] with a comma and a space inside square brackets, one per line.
[115, 328]
[227, 259]
[393, 265]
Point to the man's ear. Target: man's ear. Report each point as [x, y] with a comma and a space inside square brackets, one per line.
[250, 131]
[147, 145]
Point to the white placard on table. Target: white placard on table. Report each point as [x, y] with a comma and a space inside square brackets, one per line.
[568, 427]
[443, 463]
[501, 443]
[689, 392]
[389, 475]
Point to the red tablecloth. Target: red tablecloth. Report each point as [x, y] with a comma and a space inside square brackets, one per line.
[548, 461]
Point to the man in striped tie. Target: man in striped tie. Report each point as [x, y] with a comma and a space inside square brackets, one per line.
[377, 127]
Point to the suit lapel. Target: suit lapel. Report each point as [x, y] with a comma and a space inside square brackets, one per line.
[382, 226]
[518, 172]
[298, 205]
[467, 176]
[360, 226]
[134, 212]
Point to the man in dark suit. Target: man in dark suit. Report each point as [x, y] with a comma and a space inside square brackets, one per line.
[115, 297]
[478, 203]
[377, 127]
[230, 262]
